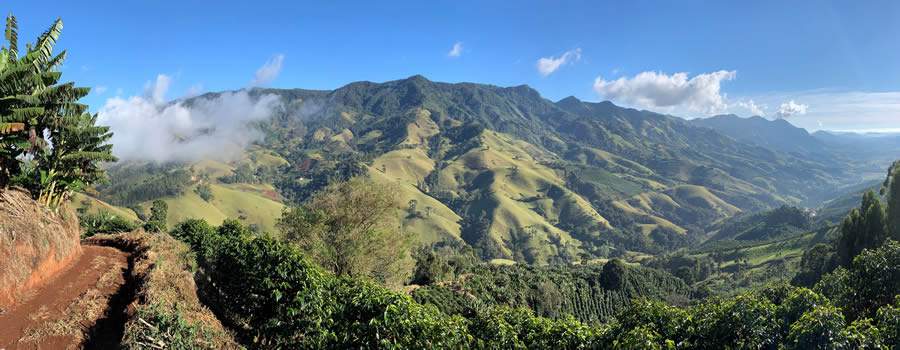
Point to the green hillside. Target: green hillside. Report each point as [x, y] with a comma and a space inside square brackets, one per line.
[728, 267]
[768, 225]
[514, 175]
[232, 190]
[92, 205]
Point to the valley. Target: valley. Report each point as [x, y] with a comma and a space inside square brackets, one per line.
[514, 175]
[637, 212]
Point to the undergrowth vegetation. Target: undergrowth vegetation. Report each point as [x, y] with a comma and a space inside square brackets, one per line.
[167, 312]
[274, 297]
[590, 293]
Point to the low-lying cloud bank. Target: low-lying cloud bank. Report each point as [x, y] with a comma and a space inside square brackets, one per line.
[148, 128]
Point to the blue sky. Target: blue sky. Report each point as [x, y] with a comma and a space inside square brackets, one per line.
[821, 65]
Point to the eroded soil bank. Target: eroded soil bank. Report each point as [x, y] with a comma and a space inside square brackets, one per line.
[83, 305]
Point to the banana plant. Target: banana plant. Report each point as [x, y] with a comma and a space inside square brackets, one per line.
[48, 143]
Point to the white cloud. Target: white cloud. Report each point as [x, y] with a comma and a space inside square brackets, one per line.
[194, 90]
[548, 65]
[790, 109]
[457, 50]
[701, 93]
[269, 71]
[99, 89]
[752, 107]
[834, 109]
[156, 90]
[147, 128]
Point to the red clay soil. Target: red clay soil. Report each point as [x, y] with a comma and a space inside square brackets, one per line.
[73, 309]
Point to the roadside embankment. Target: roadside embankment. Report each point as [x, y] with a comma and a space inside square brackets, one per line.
[165, 311]
[36, 243]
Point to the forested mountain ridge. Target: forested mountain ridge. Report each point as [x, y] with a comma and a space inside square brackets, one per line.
[865, 155]
[878, 148]
[520, 177]
[778, 134]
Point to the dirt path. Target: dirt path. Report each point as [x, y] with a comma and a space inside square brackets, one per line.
[81, 306]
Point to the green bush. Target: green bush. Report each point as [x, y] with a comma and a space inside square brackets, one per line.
[168, 329]
[666, 321]
[875, 278]
[368, 314]
[204, 191]
[870, 282]
[192, 232]
[797, 303]
[888, 322]
[270, 287]
[104, 223]
[639, 338]
[862, 334]
[819, 328]
[745, 321]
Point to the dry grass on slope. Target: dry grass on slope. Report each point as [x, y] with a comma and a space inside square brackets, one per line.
[166, 311]
[35, 243]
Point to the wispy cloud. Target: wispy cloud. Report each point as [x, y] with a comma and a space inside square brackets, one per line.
[837, 110]
[269, 71]
[156, 90]
[456, 50]
[791, 108]
[99, 89]
[699, 94]
[752, 107]
[194, 90]
[548, 65]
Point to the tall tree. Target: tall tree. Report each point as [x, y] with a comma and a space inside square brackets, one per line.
[48, 143]
[159, 211]
[863, 228]
[613, 275]
[352, 229]
[892, 193]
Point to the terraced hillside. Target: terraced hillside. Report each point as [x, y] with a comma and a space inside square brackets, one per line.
[502, 169]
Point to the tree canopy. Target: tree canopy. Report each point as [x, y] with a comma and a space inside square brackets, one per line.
[892, 192]
[862, 228]
[351, 229]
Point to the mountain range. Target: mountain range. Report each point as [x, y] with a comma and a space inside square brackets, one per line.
[506, 171]
[778, 134]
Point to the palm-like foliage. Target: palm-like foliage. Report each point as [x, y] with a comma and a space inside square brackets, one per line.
[48, 143]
